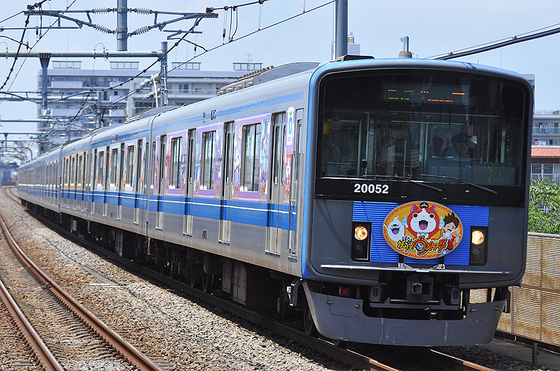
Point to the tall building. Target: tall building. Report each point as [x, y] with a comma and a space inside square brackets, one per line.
[81, 100]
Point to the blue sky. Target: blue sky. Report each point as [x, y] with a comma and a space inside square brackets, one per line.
[434, 27]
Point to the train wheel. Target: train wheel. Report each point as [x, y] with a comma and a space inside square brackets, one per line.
[281, 304]
[308, 324]
[207, 283]
[193, 282]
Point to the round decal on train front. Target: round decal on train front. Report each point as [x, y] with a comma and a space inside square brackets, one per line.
[422, 230]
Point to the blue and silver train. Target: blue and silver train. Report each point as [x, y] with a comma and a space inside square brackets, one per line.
[371, 195]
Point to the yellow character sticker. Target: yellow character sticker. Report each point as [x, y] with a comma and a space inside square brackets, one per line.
[422, 230]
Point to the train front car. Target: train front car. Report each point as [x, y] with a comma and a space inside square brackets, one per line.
[417, 194]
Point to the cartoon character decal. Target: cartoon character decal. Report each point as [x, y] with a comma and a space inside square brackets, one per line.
[422, 230]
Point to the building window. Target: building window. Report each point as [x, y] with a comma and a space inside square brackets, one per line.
[124, 65]
[186, 66]
[67, 64]
[247, 66]
[183, 88]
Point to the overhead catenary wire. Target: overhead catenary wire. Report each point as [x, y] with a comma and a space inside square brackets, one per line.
[145, 70]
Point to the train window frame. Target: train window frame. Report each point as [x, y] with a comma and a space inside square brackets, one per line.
[175, 162]
[99, 182]
[113, 168]
[130, 153]
[208, 159]
[253, 145]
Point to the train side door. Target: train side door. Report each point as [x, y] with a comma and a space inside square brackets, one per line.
[277, 179]
[293, 148]
[191, 157]
[73, 181]
[120, 182]
[227, 182]
[80, 184]
[106, 180]
[138, 181]
[161, 180]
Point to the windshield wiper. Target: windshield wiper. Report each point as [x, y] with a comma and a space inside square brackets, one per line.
[489, 190]
[419, 182]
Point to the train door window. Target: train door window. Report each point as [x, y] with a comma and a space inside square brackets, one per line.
[208, 160]
[80, 172]
[130, 152]
[153, 162]
[192, 151]
[175, 163]
[250, 163]
[278, 140]
[114, 166]
[73, 173]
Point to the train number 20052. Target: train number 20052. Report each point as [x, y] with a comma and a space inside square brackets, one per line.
[371, 188]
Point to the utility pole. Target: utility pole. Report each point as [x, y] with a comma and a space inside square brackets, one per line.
[122, 25]
[44, 58]
[341, 41]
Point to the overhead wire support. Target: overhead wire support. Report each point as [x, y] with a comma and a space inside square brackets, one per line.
[182, 16]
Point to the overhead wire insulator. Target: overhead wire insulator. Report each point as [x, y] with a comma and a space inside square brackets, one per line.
[102, 28]
[142, 11]
[140, 30]
[102, 10]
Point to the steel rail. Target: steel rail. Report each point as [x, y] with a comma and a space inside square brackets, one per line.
[132, 354]
[39, 348]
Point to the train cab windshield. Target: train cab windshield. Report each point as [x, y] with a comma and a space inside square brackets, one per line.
[421, 126]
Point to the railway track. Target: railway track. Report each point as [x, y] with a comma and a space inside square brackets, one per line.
[71, 332]
[357, 356]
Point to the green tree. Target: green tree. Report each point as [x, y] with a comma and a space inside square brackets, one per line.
[544, 206]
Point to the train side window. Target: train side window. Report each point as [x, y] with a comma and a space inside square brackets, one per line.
[100, 168]
[73, 172]
[80, 172]
[250, 165]
[208, 160]
[113, 170]
[129, 165]
[175, 163]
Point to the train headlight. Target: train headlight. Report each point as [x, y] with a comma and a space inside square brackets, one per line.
[360, 233]
[477, 237]
[478, 251]
[361, 241]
